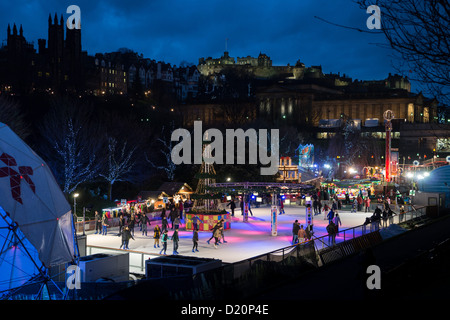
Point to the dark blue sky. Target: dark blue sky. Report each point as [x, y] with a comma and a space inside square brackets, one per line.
[174, 31]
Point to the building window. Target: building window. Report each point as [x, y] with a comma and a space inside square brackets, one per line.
[426, 114]
[410, 112]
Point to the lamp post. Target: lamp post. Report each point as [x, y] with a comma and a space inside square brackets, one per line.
[388, 116]
[75, 196]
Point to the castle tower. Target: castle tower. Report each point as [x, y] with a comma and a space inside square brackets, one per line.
[56, 50]
[73, 56]
[19, 57]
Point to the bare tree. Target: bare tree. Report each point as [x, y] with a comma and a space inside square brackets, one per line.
[352, 147]
[165, 145]
[119, 163]
[72, 143]
[418, 31]
[236, 113]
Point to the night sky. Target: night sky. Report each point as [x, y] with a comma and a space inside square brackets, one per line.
[183, 31]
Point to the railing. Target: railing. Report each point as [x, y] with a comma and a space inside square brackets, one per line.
[137, 258]
[89, 225]
[354, 232]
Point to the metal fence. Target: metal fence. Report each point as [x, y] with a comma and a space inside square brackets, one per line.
[358, 231]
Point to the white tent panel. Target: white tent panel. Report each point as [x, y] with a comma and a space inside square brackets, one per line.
[34, 200]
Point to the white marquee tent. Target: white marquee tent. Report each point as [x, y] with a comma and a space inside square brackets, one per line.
[32, 207]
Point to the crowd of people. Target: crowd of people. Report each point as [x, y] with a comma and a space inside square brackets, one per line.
[381, 217]
[128, 221]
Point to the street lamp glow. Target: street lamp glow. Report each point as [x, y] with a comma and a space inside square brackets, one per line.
[75, 196]
[426, 174]
[410, 175]
[327, 166]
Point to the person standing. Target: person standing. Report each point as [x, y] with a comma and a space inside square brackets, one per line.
[331, 229]
[104, 224]
[98, 222]
[173, 215]
[132, 223]
[367, 203]
[384, 218]
[354, 205]
[295, 229]
[164, 239]
[360, 201]
[175, 240]
[330, 215]
[144, 222]
[176, 223]
[180, 208]
[195, 241]
[156, 235]
[249, 207]
[126, 235]
[216, 226]
[282, 206]
[217, 234]
[315, 206]
[164, 224]
[195, 221]
[334, 206]
[138, 218]
[309, 231]
[301, 234]
[337, 222]
[222, 235]
[121, 223]
[232, 206]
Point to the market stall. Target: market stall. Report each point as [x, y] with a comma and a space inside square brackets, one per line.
[352, 188]
[154, 199]
[207, 221]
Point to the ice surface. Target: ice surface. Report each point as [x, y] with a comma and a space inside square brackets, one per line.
[244, 239]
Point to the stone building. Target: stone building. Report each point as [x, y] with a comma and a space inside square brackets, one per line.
[260, 67]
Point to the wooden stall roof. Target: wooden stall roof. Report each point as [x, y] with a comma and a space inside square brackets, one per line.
[172, 188]
[152, 194]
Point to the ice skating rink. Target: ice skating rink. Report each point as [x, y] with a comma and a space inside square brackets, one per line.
[244, 239]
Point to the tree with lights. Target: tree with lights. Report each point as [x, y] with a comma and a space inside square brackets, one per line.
[72, 144]
[166, 146]
[119, 162]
